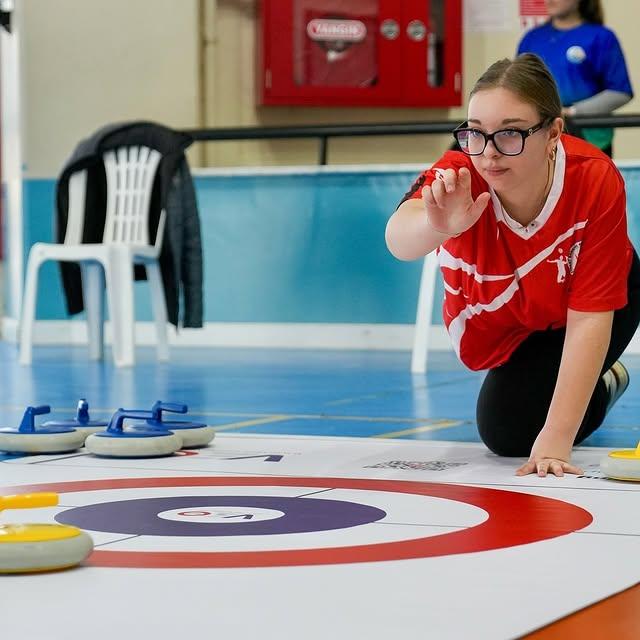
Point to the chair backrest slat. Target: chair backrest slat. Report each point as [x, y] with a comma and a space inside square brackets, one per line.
[75, 214]
[130, 175]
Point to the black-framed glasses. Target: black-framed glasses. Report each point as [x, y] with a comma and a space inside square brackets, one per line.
[509, 142]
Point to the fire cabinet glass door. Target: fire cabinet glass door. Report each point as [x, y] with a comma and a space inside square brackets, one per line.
[347, 49]
[334, 47]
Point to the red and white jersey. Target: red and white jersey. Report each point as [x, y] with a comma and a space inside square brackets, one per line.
[504, 281]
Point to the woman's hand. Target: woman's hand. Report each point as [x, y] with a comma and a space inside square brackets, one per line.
[551, 453]
[450, 207]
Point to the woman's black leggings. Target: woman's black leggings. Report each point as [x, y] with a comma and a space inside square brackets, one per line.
[515, 397]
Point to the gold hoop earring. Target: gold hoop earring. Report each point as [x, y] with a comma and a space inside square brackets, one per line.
[552, 155]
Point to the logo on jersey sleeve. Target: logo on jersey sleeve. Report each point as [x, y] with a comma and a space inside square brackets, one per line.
[572, 259]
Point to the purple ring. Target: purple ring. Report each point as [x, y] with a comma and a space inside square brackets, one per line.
[140, 516]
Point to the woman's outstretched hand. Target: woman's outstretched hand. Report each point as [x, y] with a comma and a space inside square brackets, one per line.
[450, 207]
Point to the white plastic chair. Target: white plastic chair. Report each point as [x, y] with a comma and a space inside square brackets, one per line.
[130, 173]
[420, 354]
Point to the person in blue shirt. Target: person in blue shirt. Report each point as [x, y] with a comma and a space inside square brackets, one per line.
[586, 61]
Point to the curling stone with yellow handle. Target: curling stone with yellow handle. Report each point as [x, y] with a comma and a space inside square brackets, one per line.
[27, 548]
[622, 465]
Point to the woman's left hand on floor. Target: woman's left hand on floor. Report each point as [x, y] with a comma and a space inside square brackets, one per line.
[550, 454]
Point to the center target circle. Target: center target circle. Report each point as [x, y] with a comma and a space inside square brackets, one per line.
[225, 515]
[141, 516]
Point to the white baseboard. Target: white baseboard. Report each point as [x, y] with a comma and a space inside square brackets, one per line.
[385, 337]
[380, 337]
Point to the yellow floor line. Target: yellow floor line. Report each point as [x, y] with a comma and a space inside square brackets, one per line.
[250, 423]
[315, 416]
[102, 412]
[262, 419]
[368, 418]
[434, 426]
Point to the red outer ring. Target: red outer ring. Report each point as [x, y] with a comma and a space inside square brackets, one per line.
[514, 519]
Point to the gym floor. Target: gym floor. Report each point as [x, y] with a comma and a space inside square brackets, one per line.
[291, 392]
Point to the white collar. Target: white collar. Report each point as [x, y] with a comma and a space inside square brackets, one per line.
[539, 221]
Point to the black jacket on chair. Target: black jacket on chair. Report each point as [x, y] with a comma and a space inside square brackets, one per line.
[173, 191]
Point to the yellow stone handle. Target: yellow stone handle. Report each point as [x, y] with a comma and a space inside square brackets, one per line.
[29, 501]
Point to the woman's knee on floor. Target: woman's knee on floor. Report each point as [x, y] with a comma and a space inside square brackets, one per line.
[508, 439]
[508, 420]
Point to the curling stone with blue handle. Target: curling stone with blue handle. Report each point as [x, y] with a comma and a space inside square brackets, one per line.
[29, 439]
[193, 434]
[117, 442]
[82, 421]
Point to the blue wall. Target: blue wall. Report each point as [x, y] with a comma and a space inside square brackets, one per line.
[288, 248]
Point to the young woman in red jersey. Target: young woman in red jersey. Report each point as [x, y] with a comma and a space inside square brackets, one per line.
[542, 285]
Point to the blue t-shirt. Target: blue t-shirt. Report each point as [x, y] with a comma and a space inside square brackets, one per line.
[584, 61]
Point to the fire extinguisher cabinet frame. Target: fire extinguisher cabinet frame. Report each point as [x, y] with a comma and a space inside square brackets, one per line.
[360, 53]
